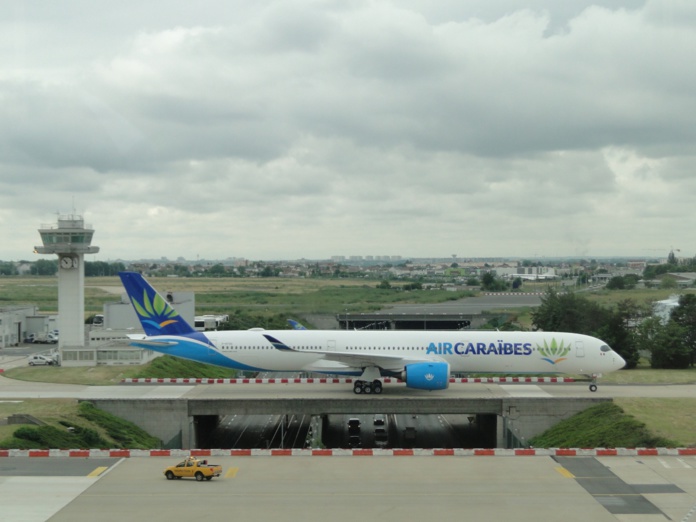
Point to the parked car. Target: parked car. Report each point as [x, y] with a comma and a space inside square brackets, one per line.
[354, 426]
[41, 360]
[354, 441]
[381, 437]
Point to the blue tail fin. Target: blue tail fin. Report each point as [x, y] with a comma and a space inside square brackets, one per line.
[295, 325]
[156, 315]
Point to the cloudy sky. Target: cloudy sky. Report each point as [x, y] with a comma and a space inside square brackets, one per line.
[285, 129]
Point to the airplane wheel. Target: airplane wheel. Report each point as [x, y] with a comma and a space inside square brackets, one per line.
[377, 387]
[593, 387]
[357, 389]
[367, 388]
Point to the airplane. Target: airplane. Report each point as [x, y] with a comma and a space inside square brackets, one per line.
[422, 359]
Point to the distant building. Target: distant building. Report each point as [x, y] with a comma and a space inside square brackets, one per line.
[17, 322]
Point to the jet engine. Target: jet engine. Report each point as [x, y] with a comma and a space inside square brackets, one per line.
[426, 375]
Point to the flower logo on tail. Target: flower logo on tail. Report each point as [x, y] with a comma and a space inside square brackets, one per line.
[555, 352]
[155, 312]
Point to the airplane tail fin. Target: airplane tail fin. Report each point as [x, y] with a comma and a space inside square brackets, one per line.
[156, 315]
[295, 325]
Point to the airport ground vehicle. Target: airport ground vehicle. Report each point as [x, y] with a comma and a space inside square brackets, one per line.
[50, 338]
[194, 468]
[41, 360]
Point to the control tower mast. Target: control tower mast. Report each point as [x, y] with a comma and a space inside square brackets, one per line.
[70, 240]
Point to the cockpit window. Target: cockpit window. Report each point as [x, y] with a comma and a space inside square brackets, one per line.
[605, 348]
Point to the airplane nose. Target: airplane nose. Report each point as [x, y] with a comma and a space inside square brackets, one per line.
[618, 361]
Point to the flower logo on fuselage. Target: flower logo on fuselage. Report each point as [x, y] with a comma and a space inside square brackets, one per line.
[555, 352]
[155, 312]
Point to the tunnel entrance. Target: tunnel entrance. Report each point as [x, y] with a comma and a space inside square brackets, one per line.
[348, 431]
[203, 427]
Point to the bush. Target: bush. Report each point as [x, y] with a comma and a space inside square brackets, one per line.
[46, 437]
[127, 434]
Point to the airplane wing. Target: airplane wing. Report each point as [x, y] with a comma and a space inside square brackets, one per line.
[353, 360]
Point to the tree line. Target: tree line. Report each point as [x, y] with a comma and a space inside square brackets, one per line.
[49, 267]
[628, 328]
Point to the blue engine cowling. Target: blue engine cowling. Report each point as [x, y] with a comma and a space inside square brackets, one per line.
[426, 375]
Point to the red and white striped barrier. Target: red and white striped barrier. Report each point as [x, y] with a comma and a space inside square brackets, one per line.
[377, 452]
[329, 380]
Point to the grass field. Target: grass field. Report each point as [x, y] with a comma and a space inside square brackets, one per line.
[276, 295]
[89, 376]
[229, 295]
[673, 419]
[650, 376]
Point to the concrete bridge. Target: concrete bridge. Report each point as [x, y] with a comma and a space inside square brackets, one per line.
[177, 421]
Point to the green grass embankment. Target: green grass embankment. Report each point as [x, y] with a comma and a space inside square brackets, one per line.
[69, 425]
[605, 425]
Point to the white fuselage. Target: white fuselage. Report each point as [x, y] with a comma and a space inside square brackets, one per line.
[467, 351]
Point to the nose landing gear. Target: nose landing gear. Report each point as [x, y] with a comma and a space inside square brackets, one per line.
[593, 382]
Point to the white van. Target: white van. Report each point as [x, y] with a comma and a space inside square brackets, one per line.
[41, 360]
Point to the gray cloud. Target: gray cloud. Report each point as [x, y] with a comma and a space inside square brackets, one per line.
[309, 129]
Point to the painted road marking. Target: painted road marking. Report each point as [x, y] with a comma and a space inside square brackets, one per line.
[231, 473]
[564, 472]
[98, 471]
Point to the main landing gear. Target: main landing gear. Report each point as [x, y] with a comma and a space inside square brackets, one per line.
[367, 387]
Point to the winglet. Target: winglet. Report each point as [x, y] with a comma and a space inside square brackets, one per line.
[277, 344]
[156, 315]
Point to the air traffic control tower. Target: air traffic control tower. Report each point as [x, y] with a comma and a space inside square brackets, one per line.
[70, 240]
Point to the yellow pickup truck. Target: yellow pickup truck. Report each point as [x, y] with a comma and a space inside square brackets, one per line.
[195, 468]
